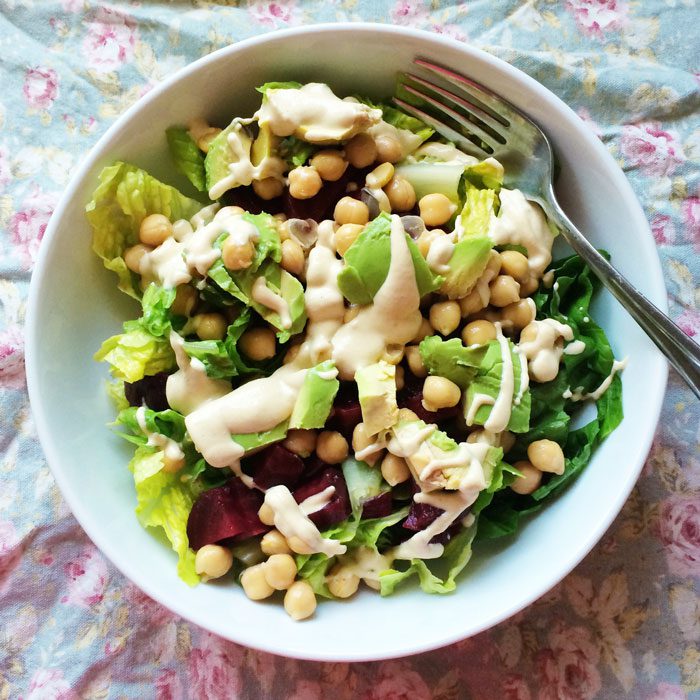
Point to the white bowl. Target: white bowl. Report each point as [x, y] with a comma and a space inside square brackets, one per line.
[74, 304]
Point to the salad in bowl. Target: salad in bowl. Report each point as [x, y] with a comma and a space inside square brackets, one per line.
[355, 355]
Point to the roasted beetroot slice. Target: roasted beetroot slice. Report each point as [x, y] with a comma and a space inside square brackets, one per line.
[224, 512]
[346, 412]
[313, 464]
[246, 198]
[378, 506]
[421, 515]
[276, 465]
[338, 508]
[149, 390]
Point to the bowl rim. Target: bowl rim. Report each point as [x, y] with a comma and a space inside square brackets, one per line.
[109, 546]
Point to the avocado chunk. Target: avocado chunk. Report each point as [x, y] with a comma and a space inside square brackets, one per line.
[221, 154]
[254, 441]
[315, 400]
[264, 146]
[376, 385]
[468, 262]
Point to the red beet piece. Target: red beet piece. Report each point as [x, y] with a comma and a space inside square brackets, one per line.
[246, 198]
[411, 396]
[149, 390]
[378, 506]
[338, 508]
[346, 412]
[276, 465]
[421, 515]
[228, 511]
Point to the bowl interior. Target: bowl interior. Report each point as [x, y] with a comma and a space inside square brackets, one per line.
[71, 409]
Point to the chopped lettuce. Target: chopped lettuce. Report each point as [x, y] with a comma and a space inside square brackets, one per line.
[124, 197]
[189, 160]
[363, 482]
[367, 264]
[164, 500]
[283, 85]
[295, 151]
[315, 400]
[115, 391]
[169, 423]
[156, 303]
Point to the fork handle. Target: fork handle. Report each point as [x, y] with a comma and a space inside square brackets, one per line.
[681, 351]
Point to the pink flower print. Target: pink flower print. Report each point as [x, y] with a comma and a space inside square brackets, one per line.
[143, 610]
[40, 87]
[596, 17]
[663, 228]
[87, 577]
[691, 219]
[213, 669]
[689, 322]
[73, 5]
[5, 170]
[679, 531]
[110, 39]
[27, 226]
[275, 14]
[651, 149]
[49, 684]
[588, 120]
[409, 12]
[515, 688]
[169, 686]
[10, 553]
[398, 681]
[569, 667]
[12, 358]
[450, 30]
[666, 691]
[307, 690]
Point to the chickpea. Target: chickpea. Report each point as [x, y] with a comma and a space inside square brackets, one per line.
[507, 441]
[445, 316]
[393, 354]
[493, 265]
[254, 584]
[235, 255]
[400, 378]
[342, 582]
[504, 290]
[274, 542]
[213, 561]
[268, 188]
[155, 229]
[266, 514]
[519, 314]
[280, 571]
[351, 211]
[478, 332]
[472, 303]
[361, 439]
[258, 344]
[435, 209]
[293, 259]
[547, 456]
[301, 442]
[298, 546]
[300, 600]
[380, 176]
[304, 182]
[204, 141]
[361, 150]
[210, 326]
[291, 354]
[530, 479]
[394, 469]
[389, 149]
[426, 239]
[439, 392]
[424, 331]
[134, 255]
[415, 362]
[330, 164]
[529, 286]
[185, 299]
[515, 264]
[172, 465]
[400, 193]
[331, 447]
[346, 235]
[476, 436]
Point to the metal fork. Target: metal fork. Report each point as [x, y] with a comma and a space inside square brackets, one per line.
[484, 124]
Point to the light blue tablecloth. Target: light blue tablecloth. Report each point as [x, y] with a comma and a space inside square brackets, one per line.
[625, 624]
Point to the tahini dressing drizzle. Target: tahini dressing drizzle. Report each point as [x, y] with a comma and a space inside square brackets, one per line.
[171, 449]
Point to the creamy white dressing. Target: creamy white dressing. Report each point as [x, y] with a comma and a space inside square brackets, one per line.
[576, 347]
[520, 222]
[478, 401]
[381, 197]
[171, 449]
[545, 350]
[314, 113]
[578, 395]
[241, 168]
[439, 254]
[408, 140]
[499, 417]
[291, 521]
[548, 279]
[190, 387]
[524, 376]
[367, 564]
[262, 294]
[444, 152]
[407, 440]
[318, 501]
[392, 319]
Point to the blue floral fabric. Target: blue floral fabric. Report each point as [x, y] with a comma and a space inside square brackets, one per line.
[624, 624]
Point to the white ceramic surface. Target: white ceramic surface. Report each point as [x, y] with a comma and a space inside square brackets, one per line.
[74, 305]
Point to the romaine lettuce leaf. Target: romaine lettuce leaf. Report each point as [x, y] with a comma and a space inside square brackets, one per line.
[367, 264]
[295, 151]
[156, 316]
[124, 197]
[189, 160]
[283, 85]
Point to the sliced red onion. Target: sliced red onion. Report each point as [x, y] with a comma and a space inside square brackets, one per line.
[303, 231]
[413, 225]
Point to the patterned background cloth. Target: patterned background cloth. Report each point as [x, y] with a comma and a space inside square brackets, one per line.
[625, 624]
